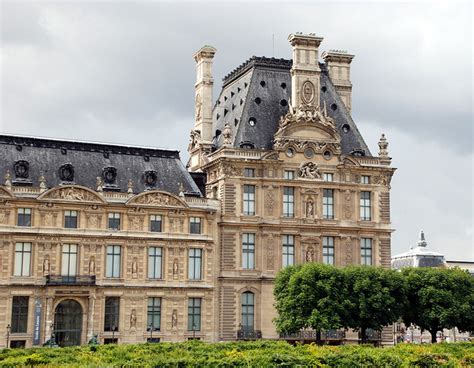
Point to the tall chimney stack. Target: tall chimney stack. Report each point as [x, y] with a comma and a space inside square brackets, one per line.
[305, 70]
[339, 66]
[203, 93]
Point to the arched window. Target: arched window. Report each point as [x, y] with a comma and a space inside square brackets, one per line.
[248, 306]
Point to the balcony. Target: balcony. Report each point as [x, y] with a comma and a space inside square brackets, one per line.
[244, 334]
[326, 335]
[58, 280]
[371, 335]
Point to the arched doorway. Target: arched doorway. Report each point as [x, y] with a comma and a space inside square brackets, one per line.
[68, 323]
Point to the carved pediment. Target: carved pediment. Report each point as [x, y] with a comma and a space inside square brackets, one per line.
[350, 162]
[71, 193]
[5, 193]
[157, 198]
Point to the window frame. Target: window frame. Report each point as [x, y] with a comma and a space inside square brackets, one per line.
[365, 179]
[111, 313]
[24, 217]
[249, 172]
[289, 174]
[329, 250]
[288, 250]
[153, 220]
[108, 264]
[25, 264]
[194, 314]
[116, 217]
[328, 177]
[195, 222]
[154, 313]
[288, 202]
[248, 251]
[366, 251]
[152, 262]
[328, 204]
[68, 254]
[19, 314]
[365, 206]
[68, 218]
[249, 198]
[247, 310]
[195, 263]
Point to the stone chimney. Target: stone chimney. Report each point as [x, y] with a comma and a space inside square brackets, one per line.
[203, 93]
[305, 70]
[339, 66]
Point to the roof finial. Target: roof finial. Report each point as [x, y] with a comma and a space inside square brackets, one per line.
[130, 186]
[422, 241]
[383, 145]
[8, 179]
[42, 183]
[181, 190]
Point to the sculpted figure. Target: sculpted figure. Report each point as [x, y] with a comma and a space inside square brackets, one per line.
[92, 266]
[227, 134]
[46, 267]
[135, 268]
[174, 319]
[133, 319]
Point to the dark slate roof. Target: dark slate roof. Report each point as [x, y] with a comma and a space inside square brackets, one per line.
[46, 156]
[260, 90]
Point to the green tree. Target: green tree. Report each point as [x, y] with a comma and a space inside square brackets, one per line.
[439, 298]
[376, 298]
[312, 296]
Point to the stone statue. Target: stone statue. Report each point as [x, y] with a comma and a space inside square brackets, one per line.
[46, 267]
[133, 319]
[174, 319]
[92, 266]
[48, 219]
[198, 106]
[100, 184]
[309, 209]
[42, 183]
[310, 254]
[383, 145]
[227, 134]
[135, 268]
[130, 186]
[8, 179]
[175, 268]
[94, 340]
[309, 170]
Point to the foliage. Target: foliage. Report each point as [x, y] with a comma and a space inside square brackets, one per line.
[242, 354]
[438, 299]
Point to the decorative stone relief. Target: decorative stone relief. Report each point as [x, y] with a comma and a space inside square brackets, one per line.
[227, 135]
[309, 170]
[72, 194]
[347, 204]
[136, 223]
[8, 179]
[270, 201]
[174, 319]
[157, 199]
[309, 212]
[349, 251]
[133, 319]
[46, 266]
[309, 255]
[383, 145]
[307, 92]
[198, 107]
[135, 268]
[175, 268]
[92, 266]
[4, 214]
[382, 180]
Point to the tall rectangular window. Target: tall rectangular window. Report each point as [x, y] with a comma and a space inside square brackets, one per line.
[194, 314]
[69, 260]
[22, 259]
[156, 223]
[70, 219]
[195, 225]
[289, 175]
[154, 314]
[194, 264]
[328, 250]
[366, 251]
[249, 172]
[112, 313]
[365, 179]
[155, 262]
[114, 221]
[248, 251]
[24, 217]
[365, 211]
[114, 255]
[328, 177]
[19, 322]
[288, 202]
[288, 250]
[328, 203]
[249, 200]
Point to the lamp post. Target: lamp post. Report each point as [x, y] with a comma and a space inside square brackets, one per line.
[194, 331]
[151, 332]
[412, 328]
[8, 336]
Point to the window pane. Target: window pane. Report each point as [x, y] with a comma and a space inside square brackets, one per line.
[194, 264]
[248, 251]
[288, 250]
[112, 312]
[19, 321]
[154, 314]
[248, 311]
[194, 314]
[288, 201]
[328, 250]
[249, 200]
[154, 262]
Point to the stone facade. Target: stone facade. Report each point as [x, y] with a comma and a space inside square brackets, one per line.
[286, 179]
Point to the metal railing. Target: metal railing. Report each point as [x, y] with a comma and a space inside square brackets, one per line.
[311, 335]
[85, 280]
[249, 334]
[371, 335]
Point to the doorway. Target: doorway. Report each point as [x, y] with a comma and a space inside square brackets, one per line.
[68, 323]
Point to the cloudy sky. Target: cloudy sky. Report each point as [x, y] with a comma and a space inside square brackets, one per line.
[124, 73]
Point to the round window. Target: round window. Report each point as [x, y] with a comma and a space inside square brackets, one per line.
[308, 153]
[327, 155]
[290, 152]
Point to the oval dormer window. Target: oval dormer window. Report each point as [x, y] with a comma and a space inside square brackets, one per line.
[66, 172]
[109, 174]
[22, 169]
[150, 178]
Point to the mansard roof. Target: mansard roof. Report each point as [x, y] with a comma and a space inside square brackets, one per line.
[47, 157]
[256, 94]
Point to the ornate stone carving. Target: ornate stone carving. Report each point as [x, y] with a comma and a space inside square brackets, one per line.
[175, 268]
[8, 179]
[100, 184]
[92, 266]
[135, 268]
[307, 92]
[270, 200]
[153, 199]
[309, 256]
[309, 170]
[66, 172]
[22, 169]
[93, 221]
[347, 204]
[382, 180]
[42, 184]
[198, 107]
[150, 178]
[136, 223]
[46, 266]
[48, 219]
[4, 217]
[349, 251]
[309, 209]
[174, 319]
[133, 319]
[227, 134]
[194, 139]
[383, 145]
[130, 186]
[72, 194]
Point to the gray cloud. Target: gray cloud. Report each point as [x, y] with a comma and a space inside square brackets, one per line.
[123, 72]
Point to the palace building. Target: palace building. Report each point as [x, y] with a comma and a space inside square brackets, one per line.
[126, 244]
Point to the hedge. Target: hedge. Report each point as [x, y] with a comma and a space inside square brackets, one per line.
[242, 354]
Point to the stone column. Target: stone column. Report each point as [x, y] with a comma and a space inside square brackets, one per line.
[90, 317]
